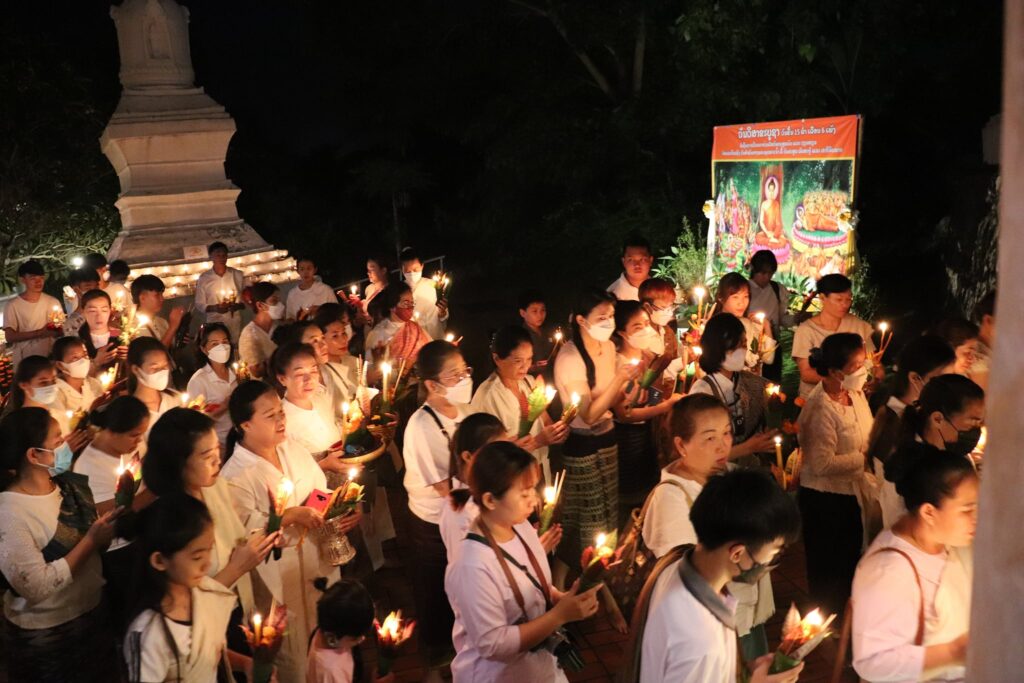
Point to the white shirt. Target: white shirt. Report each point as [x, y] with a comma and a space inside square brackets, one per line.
[167, 401]
[382, 333]
[571, 376]
[492, 396]
[454, 524]
[216, 391]
[24, 316]
[316, 429]
[885, 619]
[340, 380]
[764, 300]
[156, 327]
[71, 400]
[427, 457]
[158, 663]
[255, 345]
[424, 296]
[101, 469]
[299, 298]
[683, 641]
[624, 291]
[209, 292]
[668, 518]
[119, 296]
[765, 355]
[485, 636]
[833, 440]
[47, 594]
[810, 335]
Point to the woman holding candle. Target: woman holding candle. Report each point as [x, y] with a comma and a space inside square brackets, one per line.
[378, 271]
[446, 384]
[505, 394]
[262, 459]
[962, 335]
[733, 297]
[149, 375]
[254, 343]
[76, 390]
[912, 589]
[180, 615]
[339, 372]
[35, 386]
[500, 583]
[215, 380]
[724, 348]
[101, 340]
[834, 488]
[948, 415]
[637, 341]
[50, 541]
[398, 337]
[836, 295]
[587, 366]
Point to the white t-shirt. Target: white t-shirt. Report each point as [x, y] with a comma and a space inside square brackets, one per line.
[216, 391]
[316, 429]
[764, 300]
[493, 397]
[624, 291]
[668, 518]
[71, 400]
[683, 641]
[255, 345]
[209, 289]
[424, 296]
[45, 594]
[317, 295]
[454, 524]
[24, 316]
[810, 335]
[427, 456]
[101, 469]
[156, 327]
[158, 663]
[382, 333]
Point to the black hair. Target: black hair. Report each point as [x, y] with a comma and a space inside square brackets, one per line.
[946, 394]
[730, 284]
[138, 349]
[283, 356]
[216, 246]
[204, 336]
[241, 409]
[31, 267]
[508, 339]
[20, 430]
[146, 283]
[63, 345]
[28, 368]
[307, 258]
[722, 333]
[834, 283]
[764, 261]
[682, 420]
[472, 434]
[292, 333]
[924, 474]
[170, 444]
[80, 275]
[384, 261]
[835, 352]
[653, 286]
[986, 306]
[331, 313]
[166, 526]
[587, 301]
[94, 261]
[495, 468]
[345, 609]
[956, 331]
[624, 312]
[922, 355]
[744, 506]
[259, 293]
[85, 331]
[409, 254]
[393, 294]
[121, 415]
[528, 297]
[431, 360]
[636, 241]
[94, 294]
[119, 269]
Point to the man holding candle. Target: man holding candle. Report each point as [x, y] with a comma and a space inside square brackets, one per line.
[433, 312]
[219, 292]
[26, 315]
[636, 267]
[306, 297]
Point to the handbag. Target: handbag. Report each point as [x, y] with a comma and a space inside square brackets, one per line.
[626, 578]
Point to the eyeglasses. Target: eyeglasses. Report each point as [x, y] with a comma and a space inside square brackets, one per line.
[458, 375]
[406, 304]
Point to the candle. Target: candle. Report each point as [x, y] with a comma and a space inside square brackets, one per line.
[569, 414]
[759, 317]
[184, 398]
[449, 337]
[355, 290]
[257, 623]
[353, 472]
[700, 293]
[886, 338]
[346, 408]
[385, 369]
[778, 451]
[558, 335]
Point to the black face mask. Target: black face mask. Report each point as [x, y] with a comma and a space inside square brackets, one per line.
[966, 441]
[756, 570]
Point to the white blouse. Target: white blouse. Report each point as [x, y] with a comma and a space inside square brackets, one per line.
[809, 335]
[454, 524]
[493, 397]
[427, 457]
[316, 429]
[216, 391]
[101, 469]
[44, 593]
[72, 400]
[668, 518]
[485, 636]
[255, 345]
[833, 440]
[571, 376]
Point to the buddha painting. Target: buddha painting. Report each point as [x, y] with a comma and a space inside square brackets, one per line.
[769, 220]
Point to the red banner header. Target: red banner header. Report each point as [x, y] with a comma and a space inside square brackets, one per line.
[827, 138]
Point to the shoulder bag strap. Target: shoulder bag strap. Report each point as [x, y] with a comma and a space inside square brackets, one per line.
[919, 638]
[545, 588]
[650, 498]
[516, 593]
[508, 558]
[430, 411]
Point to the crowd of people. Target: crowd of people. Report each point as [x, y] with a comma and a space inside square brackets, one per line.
[657, 424]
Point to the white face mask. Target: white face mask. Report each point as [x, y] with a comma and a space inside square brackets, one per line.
[643, 339]
[602, 331]
[662, 317]
[857, 380]
[735, 360]
[657, 344]
[156, 381]
[44, 395]
[413, 276]
[276, 311]
[79, 369]
[220, 353]
[461, 392]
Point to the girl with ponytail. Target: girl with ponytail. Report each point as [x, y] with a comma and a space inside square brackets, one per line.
[254, 343]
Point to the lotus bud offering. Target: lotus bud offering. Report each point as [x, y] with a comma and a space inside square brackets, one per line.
[264, 638]
[129, 476]
[597, 559]
[551, 496]
[537, 402]
[390, 636]
[278, 503]
[800, 637]
[571, 410]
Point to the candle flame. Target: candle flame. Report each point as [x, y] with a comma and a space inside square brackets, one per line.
[550, 495]
[392, 626]
[354, 289]
[813, 618]
[449, 337]
[600, 540]
[697, 351]
[778, 441]
[558, 335]
[549, 393]
[385, 368]
[345, 408]
[184, 398]
[353, 472]
[883, 327]
[759, 317]
[142, 319]
[257, 619]
[634, 361]
[575, 399]
[699, 292]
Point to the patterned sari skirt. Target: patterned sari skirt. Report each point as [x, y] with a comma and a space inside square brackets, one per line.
[590, 495]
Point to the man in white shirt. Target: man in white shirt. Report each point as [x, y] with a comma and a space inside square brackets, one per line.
[216, 286]
[148, 296]
[690, 631]
[433, 312]
[120, 297]
[26, 315]
[636, 267]
[81, 280]
[309, 294]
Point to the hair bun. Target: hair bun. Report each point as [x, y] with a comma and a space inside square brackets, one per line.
[320, 583]
[246, 295]
[815, 358]
[906, 458]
